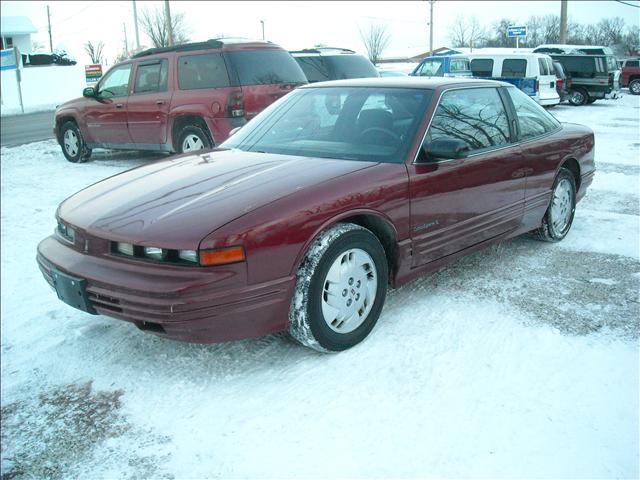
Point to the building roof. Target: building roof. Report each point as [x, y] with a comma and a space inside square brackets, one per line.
[16, 26]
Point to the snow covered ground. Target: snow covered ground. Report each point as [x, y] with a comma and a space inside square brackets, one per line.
[519, 361]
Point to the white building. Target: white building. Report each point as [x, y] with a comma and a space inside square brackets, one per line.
[16, 32]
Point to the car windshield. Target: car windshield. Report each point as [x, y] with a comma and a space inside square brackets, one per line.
[350, 123]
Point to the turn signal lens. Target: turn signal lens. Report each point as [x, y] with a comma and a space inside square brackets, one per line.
[221, 256]
[124, 248]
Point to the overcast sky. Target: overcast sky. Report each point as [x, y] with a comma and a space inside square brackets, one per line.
[293, 25]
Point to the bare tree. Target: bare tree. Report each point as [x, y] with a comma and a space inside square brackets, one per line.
[375, 39]
[611, 30]
[94, 51]
[550, 25]
[155, 26]
[467, 33]
[631, 41]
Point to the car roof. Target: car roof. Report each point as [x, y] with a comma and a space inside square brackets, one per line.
[215, 43]
[500, 54]
[427, 83]
[322, 52]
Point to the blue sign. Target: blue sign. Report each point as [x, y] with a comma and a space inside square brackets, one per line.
[7, 59]
[517, 31]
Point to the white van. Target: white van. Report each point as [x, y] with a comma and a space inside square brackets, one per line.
[532, 73]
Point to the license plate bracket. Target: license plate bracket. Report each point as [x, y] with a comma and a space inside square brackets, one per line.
[72, 291]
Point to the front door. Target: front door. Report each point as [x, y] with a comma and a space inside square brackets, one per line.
[106, 116]
[458, 203]
[148, 107]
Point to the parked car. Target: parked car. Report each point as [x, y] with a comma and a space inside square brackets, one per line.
[562, 81]
[443, 66]
[530, 72]
[302, 219]
[631, 75]
[176, 99]
[391, 73]
[593, 70]
[322, 64]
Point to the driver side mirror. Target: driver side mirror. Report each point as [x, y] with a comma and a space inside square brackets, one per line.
[90, 92]
[447, 148]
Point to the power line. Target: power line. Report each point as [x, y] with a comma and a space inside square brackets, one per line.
[629, 4]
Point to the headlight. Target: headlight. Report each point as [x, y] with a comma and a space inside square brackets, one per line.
[154, 252]
[67, 232]
[124, 248]
[188, 255]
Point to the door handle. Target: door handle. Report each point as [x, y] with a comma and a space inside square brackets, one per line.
[119, 105]
[159, 102]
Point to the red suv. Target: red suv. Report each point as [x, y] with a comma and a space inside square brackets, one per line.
[176, 99]
[631, 75]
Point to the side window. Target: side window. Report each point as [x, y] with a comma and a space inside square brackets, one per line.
[549, 63]
[473, 115]
[632, 63]
[116, 82]
[579, 66]
[532, 118]
[514, 67]
[202, 71]
[482, 67]
[431, 68]
[544, 68]
[151, 77]
[314, 68]
[459, 65]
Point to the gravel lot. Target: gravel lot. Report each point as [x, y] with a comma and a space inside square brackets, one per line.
[519, 361]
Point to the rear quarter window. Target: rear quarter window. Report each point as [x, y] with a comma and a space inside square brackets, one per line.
[351, 66]
[265, 67]
[314, 68]
[579, 67]
[533, 120]
[482, 67]
[202, 71]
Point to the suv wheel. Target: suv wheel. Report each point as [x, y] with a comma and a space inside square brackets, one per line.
[578, 97]
[634, 87]
[73, 146]
[193, 138]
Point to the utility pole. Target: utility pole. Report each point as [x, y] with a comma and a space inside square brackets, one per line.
[262, 22]
[126, 42]
[167, 14]
[49, 22]
[563, 21]
[431, 2]
[135, 24]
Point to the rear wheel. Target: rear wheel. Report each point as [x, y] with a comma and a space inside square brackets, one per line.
[634, 87]
[73, 145]
[578, 96]
[559, 216]
[340, 289]
[193, 138]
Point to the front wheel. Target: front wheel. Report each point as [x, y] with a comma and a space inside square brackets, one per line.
[559, 216]
[340, 289]
[73, 145]
[634, 87]
[578, 97]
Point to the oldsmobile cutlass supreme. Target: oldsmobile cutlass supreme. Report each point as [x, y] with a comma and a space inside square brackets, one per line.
[303, 218]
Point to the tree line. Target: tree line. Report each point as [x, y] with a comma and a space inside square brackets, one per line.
[467, 32]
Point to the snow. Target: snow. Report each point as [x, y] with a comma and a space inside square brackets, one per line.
[520, 361]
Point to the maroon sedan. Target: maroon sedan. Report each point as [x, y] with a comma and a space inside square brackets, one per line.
[303, 218]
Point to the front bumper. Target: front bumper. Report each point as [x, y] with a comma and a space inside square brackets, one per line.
[192, 304]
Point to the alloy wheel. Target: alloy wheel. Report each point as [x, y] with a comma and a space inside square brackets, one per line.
[191, 143]
[71, 143]
[561, 206]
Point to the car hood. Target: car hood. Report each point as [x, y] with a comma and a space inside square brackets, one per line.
[175, 203]
[72, 104]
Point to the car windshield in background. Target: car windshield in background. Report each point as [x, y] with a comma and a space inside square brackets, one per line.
[352, 123]
[259, 67]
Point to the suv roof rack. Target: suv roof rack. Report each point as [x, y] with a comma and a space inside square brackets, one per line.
[214, 43]
[323, 49]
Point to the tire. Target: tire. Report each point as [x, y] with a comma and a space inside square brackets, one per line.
[577, 97]
[634, 86]
[558, 218]
[193, 138]
[72, 143]
[332, 323]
